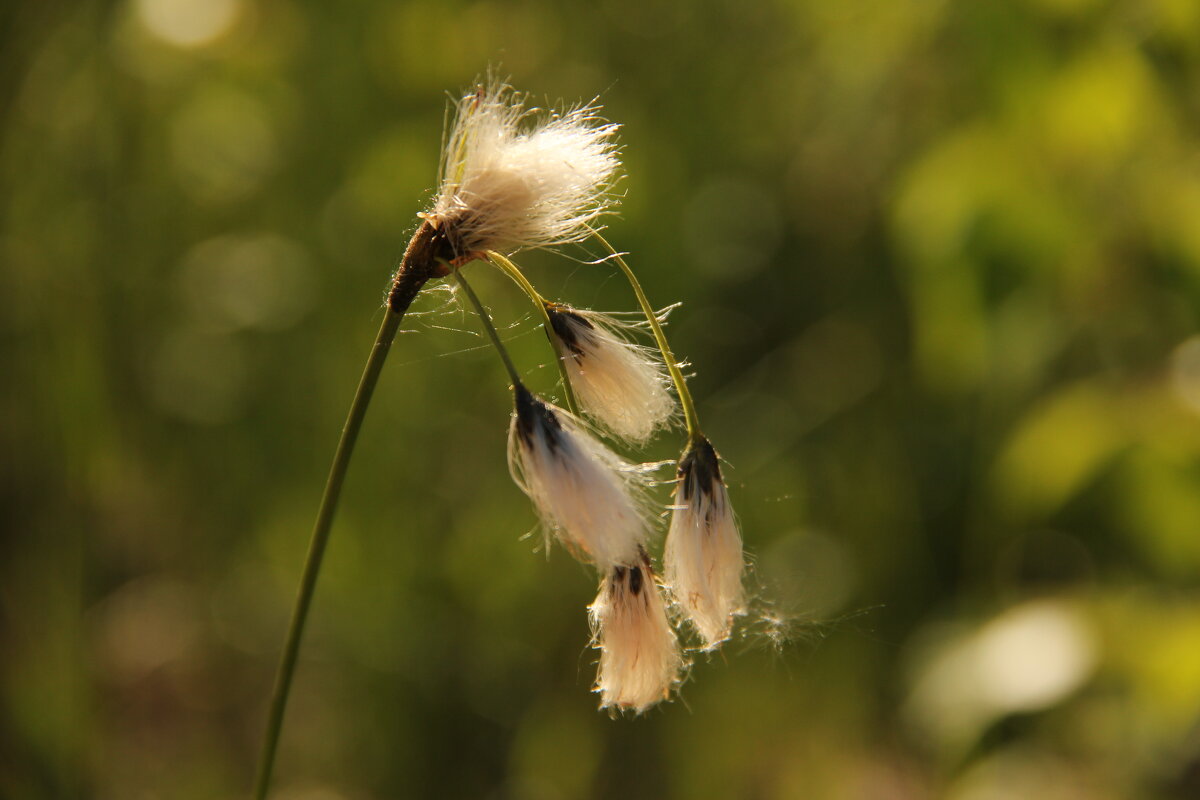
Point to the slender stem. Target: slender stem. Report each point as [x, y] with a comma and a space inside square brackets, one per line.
[513, 271]
[419, 264]
[685, 396]
[316, 548]
[489, 327]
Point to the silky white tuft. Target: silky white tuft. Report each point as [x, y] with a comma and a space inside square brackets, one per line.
[516, 177]
[587, 495]
[639, 654]
[703, 555]
[617, 382]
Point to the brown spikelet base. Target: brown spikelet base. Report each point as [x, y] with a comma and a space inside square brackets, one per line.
[422, 261]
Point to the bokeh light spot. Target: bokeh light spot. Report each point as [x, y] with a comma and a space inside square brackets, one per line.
[223, 145]
[260, 281]
[188, 23]
[199, 377]
[1185, 373]
[1027, 658]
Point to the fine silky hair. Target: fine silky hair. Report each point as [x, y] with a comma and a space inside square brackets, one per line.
[621, 384]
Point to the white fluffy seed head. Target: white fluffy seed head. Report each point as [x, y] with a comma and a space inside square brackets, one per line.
[703, 556]
[588, 496]
[618, 383]
[639, 653]
[514, 176]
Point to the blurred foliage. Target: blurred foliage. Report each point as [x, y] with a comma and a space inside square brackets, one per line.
[940, 267]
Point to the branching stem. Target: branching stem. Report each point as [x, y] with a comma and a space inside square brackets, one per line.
[513, 271]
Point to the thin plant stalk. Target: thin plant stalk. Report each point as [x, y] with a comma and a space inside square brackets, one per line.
[419, 264]
[514, 272]
[490, 328]
[316, 547]
[685, 396]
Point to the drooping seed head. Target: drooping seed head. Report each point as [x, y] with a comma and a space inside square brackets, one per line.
[640, 660]
[588, 496]
[514, 176]
[618, 383]
[703, 556]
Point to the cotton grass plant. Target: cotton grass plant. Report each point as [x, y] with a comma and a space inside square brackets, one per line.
[515, 177]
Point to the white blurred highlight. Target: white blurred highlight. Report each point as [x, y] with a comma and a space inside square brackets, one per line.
[1026, 659]
[188, 23]
[1185, 373]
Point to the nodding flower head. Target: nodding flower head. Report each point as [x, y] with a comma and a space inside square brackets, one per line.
[703, 556]
[587, 495]
[516, 177]
[639, 654]
[618, 383]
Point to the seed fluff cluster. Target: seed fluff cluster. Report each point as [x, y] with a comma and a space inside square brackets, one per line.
[590, 497]
[639, 656]
[617, 382]
[515, 177]
[703, 556]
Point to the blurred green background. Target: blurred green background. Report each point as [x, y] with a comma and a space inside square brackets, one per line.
[940, 272]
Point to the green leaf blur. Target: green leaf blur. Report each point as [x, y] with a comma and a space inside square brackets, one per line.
[940, 270]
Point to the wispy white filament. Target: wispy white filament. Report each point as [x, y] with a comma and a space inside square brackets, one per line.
[587, 495]
[515, 176]
[639, 654]
[703, 555]
[617, 382]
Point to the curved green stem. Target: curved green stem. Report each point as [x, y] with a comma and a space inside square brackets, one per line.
[489, 327]
[316, 548]
[416, 268]
[660, 338]
[513, 271]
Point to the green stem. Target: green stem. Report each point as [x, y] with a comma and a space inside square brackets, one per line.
[660, 338]
[320, 537]
[417, 267]
[421, 262]
[513, 271]
[489, 327]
